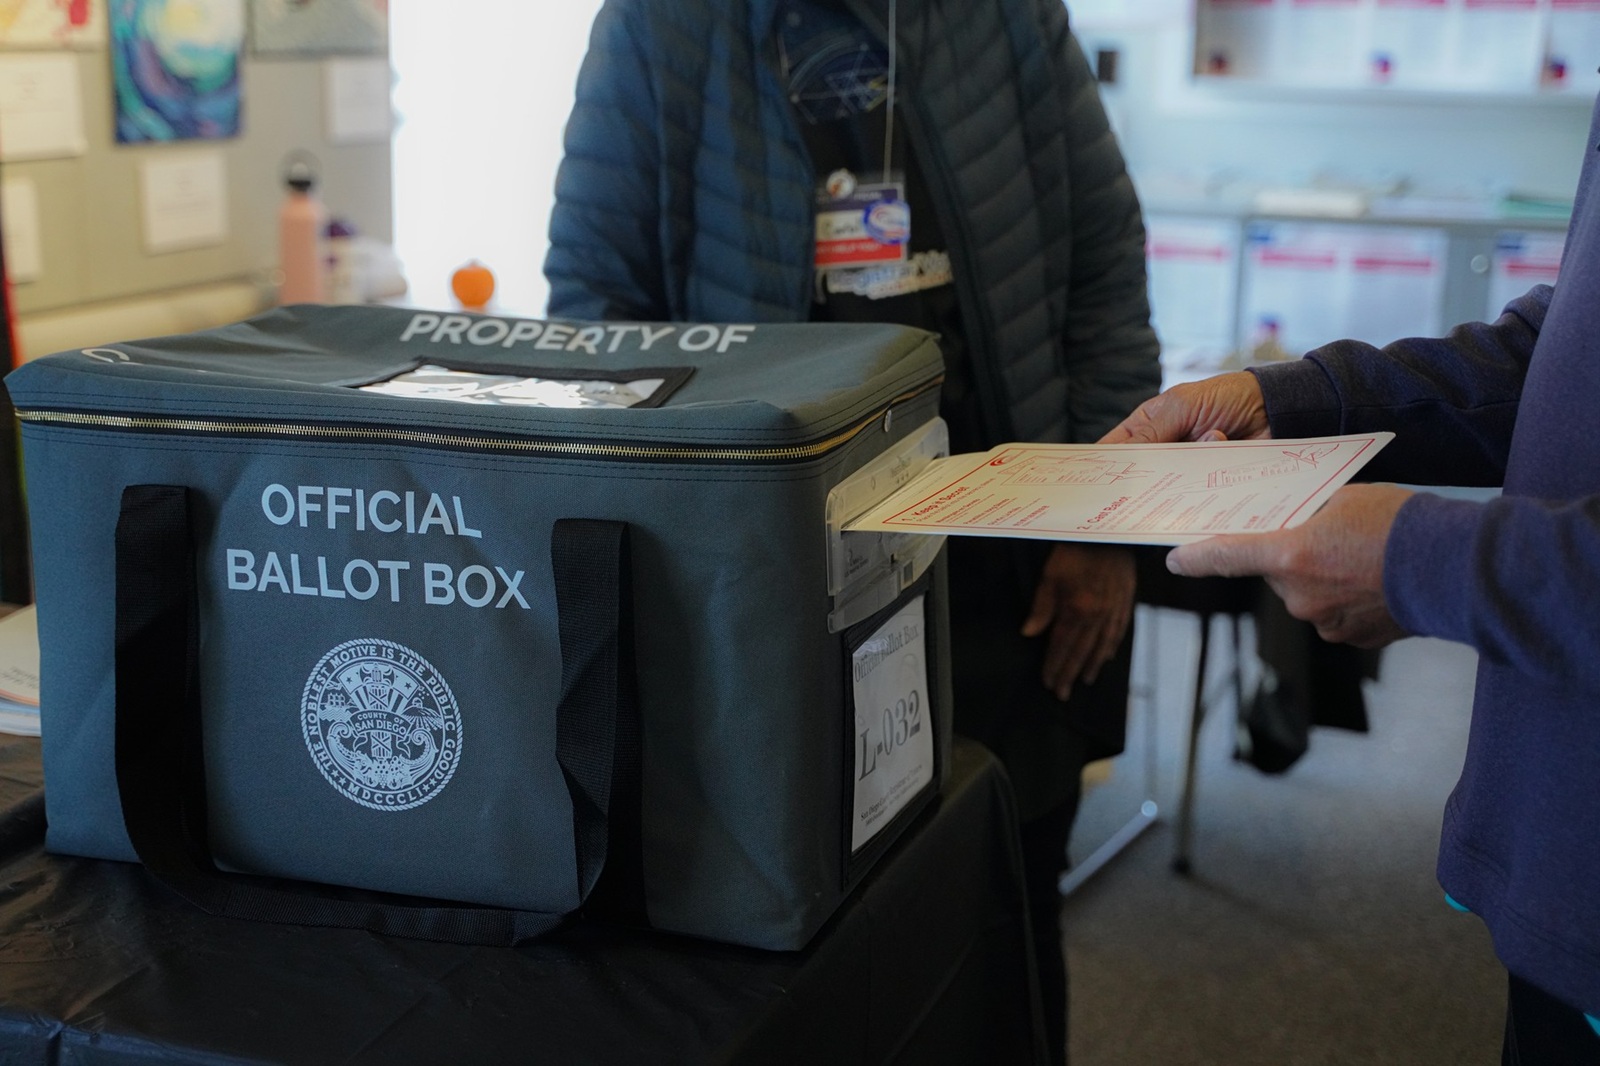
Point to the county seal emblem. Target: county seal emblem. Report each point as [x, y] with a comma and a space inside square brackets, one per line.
[381, 724]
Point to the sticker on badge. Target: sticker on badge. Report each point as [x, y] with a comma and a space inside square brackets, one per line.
[893, 735]
[888, 221]
[861, 224]
[925, 270]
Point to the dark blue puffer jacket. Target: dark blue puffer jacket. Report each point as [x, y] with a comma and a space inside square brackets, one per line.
[686, 193]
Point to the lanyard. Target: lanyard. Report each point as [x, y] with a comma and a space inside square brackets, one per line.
[888, 123]
[894, 58]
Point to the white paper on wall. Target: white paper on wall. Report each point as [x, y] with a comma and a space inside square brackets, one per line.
[1321, 283]
[19, 217]
[1499, 44]
[1522, 260]
[1295, 283]
[1324, 42]
[41, 108]
[1410, 43]
[1396, 283]
[357, 94]
[1193, 267]
[185, 201]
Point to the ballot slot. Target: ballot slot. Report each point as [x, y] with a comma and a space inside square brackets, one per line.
[868, 570]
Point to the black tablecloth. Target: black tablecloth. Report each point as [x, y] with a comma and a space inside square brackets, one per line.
[926, 963]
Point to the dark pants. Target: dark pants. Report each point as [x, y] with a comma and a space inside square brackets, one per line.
[1001, 702]
[1044, 859]
[1543, 1031]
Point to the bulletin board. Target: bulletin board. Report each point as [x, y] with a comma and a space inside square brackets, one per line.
[95, 216]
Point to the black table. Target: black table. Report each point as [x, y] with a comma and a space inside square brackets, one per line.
[928, 962]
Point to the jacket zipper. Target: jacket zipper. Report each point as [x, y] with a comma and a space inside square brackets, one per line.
[505, 444]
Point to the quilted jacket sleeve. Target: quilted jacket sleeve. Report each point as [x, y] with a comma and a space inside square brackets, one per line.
[1111, 352]
[604, 260]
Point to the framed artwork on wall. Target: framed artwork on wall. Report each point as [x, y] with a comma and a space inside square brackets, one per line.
[175, 68]
[319, 27]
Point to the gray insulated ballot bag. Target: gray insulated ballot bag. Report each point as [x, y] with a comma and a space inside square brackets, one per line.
[456, 626]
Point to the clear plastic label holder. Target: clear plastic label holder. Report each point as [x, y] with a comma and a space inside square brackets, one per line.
[868, 570]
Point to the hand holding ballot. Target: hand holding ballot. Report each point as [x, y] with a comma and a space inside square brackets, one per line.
[1328, 571]
[1193, 467]
[1225, 407]
[1159, 493]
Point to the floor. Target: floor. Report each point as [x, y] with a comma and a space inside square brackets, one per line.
[1312, 930]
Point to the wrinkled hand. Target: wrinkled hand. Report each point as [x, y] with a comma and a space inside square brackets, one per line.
[1225, 407]
[1085, 600]
[1329, 570]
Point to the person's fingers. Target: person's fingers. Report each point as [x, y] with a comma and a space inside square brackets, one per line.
[1043, 611]
[1228, 405]
[1110, 639]
[1227, 556]
[1154, 422]
[1069, 648]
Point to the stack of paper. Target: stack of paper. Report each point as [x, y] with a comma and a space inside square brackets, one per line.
[19, 673]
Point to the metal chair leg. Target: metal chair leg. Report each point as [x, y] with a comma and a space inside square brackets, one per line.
[1180, 857]
[1142, 694]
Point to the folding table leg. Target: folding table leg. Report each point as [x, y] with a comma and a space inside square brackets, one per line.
[1180, 856]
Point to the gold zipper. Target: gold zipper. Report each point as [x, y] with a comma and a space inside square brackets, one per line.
[441, 439]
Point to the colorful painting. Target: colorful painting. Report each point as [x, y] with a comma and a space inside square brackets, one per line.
[52, 23]
[319, 27]
[175, 68]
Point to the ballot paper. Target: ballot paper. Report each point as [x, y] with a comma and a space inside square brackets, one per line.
[1124, 493]
[19, 673]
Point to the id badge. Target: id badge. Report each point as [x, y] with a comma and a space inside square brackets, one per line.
[860, 225]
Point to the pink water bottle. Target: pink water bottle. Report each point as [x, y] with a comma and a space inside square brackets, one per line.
[301, 221]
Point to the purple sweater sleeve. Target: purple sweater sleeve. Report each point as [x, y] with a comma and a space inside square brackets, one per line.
[1459, 570]
[1450, 401]
[1453, 568]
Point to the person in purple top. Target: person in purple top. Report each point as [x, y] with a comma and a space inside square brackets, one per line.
[1517, 577]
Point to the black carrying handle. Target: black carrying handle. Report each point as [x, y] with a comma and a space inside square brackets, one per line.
[159, 759]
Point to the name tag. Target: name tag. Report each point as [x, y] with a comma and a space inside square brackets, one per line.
[861, 225]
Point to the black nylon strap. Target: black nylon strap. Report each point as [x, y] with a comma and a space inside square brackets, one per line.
[161, 779]
[599, 696]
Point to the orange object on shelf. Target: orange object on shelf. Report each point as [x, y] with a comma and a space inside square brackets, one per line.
[473, 284]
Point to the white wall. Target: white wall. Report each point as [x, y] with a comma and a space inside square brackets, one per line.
[483, 88]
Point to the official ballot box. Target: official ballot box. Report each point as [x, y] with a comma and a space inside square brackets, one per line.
[527, 616]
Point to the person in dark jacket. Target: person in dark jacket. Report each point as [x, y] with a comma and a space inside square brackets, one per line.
[944, 164]
[1517, 577]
